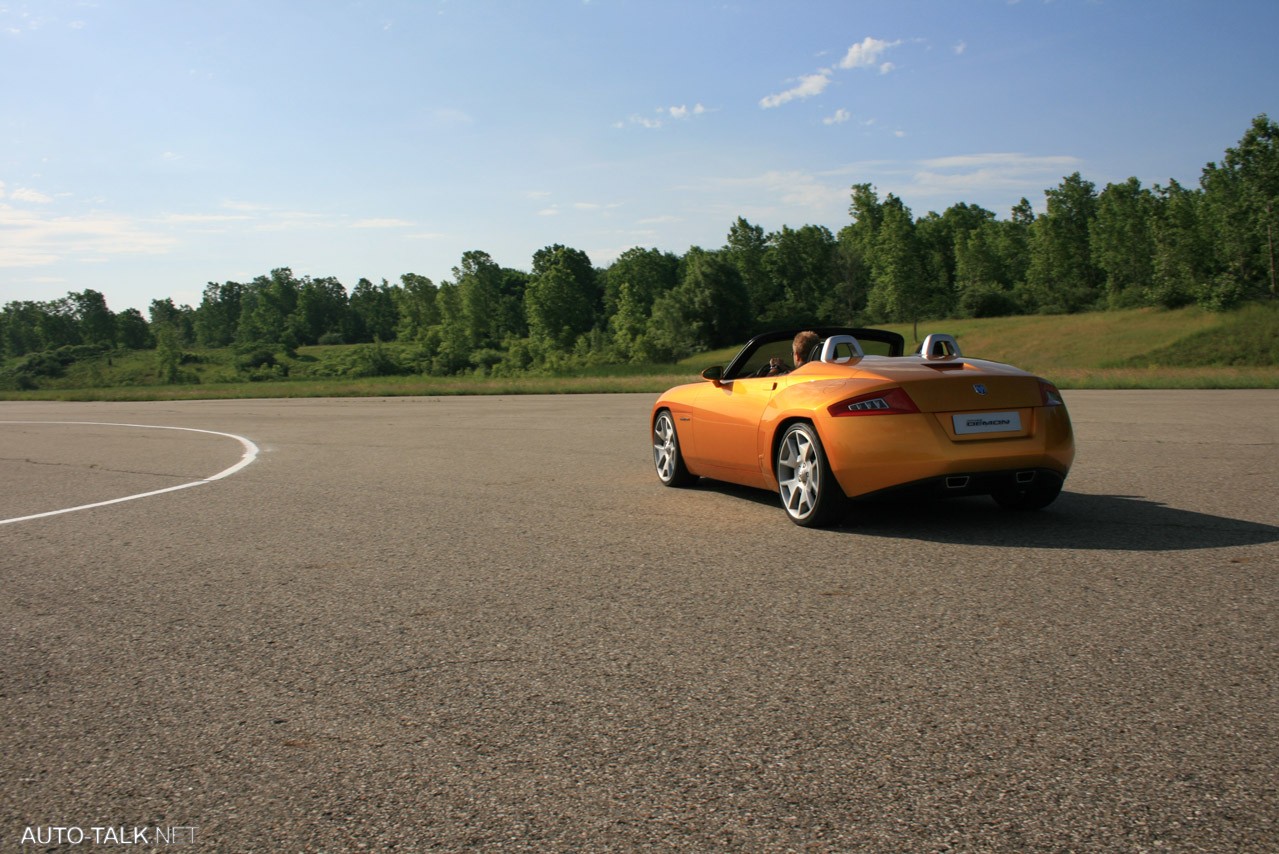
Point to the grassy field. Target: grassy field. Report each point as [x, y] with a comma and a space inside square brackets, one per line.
[1142, 348]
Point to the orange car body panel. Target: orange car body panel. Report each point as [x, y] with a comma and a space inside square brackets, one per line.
[728, 431]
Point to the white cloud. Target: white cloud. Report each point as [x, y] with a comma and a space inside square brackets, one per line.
[32, 240]
[808, 86]
[977, 178]
[25, 194]
[294, 220]
[381, 223]
[645, 122]
[866, 53]
[838, 118]
[449, 117]
[683, 112]
[247, 207]
[960, 48]
[202, 219]
[1003, 160]
[784, 196]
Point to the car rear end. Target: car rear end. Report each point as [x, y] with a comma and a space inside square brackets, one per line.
[951, 428]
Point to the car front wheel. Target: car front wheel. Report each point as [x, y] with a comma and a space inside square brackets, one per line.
[667, 458]
[809, 492]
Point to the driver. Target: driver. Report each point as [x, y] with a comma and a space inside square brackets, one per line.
[803, 344]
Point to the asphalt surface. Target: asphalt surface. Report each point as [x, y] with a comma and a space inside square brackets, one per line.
[481, 623]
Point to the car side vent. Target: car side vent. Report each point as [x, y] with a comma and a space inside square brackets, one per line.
[841, 350]
[939, 346]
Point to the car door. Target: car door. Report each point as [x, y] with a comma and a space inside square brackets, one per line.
[727, 422]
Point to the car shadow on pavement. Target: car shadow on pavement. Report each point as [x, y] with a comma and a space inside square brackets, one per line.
[1074, 521]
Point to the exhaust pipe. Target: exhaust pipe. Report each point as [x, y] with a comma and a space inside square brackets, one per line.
[957, 482]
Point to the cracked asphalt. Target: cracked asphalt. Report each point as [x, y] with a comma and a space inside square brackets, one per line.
[481, 624]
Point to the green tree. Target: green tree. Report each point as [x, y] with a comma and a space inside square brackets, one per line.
[479, 282]
[168, 353]
[265, 309]
[1062, 276]
[709, 308]
[373, 314]
[939, 239]
[561, 297]
[96, 322]
[855, 254]
[181, 317]
[1122, 241]
[1014, 241]
[1182, 259]
[632, 284]
[746, 248]
[415, 307]
[983, 285]
[716, 295]
[132, 330]
[512, 323]
[802, 264]
[58, 323]
[319, 310]
[900, 291]
[1255, 162]
[453, 352]
[217, 319]
[21, 328]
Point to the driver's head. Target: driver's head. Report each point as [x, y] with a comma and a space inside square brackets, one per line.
[804, 343]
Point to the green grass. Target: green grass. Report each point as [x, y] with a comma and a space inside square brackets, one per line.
[1141, 348]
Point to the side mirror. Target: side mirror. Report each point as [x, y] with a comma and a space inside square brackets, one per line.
[714, 374]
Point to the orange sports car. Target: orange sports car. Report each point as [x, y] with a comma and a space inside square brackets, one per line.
[829, 414]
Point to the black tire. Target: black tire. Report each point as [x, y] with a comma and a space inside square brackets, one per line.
[1033, 496]
[810, 494]
[667, 458]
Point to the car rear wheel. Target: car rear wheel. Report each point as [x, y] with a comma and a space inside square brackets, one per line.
[667, 458]
[1033, 496]
[809, 492]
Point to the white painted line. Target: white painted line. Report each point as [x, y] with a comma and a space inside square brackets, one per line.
[250, 454]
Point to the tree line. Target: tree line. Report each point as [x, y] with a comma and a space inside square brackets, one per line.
[1123, 246]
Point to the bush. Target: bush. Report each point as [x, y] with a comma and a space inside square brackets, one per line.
[256, 359]
[987, 301]
[1222, 294]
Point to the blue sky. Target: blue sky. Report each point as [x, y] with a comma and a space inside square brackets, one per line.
[151, 146]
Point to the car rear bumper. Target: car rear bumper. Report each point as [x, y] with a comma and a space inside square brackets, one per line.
[970, 483]
[874, 454]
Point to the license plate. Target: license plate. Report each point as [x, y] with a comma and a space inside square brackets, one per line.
[987, 422]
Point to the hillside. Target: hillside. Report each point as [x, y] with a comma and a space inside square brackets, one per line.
[1139, 348]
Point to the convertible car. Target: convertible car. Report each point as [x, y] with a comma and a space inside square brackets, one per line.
[859, 418]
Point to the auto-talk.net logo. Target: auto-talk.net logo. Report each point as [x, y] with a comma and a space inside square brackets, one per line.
[108, 835]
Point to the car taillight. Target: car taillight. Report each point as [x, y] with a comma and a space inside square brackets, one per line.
[1050, 395]
[892, 402]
